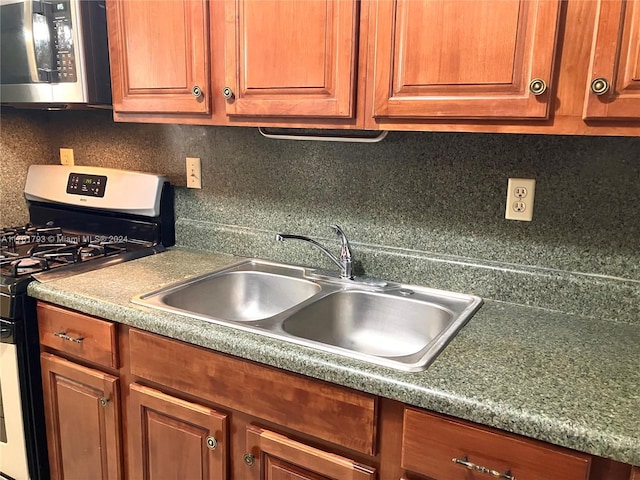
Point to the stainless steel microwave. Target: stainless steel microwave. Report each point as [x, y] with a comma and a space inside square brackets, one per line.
[54, 53]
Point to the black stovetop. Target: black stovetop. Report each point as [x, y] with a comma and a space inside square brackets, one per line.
[29, 251]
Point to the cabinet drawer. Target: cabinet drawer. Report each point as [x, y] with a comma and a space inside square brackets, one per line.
[339, 415]
[78, 335]
[271, 456]
[431, 444]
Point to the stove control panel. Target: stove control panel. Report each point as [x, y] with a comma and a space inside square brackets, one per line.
[129, 192]
[89, 185]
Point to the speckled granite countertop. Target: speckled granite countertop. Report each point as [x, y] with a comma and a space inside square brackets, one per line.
[564, 379]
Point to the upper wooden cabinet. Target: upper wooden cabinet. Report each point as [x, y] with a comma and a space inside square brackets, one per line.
[159, 51]
[447, 58]
[518, 66]
[613, 90]
[290, 58]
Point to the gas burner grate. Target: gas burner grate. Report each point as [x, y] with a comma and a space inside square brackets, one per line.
[24, 266]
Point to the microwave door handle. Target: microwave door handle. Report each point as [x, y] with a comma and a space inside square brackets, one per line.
[42, 33]
[29, 43]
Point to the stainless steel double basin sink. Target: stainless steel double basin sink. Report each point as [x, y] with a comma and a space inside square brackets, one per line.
[399, 326]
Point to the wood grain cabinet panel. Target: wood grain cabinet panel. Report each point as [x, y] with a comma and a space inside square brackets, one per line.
[615, 59]
[289, 58]
[431, 442]
[159, 51]
[78, 335]
[340, 415]
[83, 421]
[271, 456]
[453, 59]
[172, 438]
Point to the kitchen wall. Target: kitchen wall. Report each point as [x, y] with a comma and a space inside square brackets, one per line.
[24, 141]
[418, 207]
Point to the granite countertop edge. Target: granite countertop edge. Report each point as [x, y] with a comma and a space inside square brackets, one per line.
[432, 392]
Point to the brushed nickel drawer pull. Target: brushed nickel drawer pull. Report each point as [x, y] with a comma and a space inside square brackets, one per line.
[464, 461]
[104, 401]
[64, 336]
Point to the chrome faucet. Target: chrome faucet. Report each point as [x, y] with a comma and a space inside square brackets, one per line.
[345, 262]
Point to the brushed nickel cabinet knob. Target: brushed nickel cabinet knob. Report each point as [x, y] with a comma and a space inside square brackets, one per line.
[600, 86]
[227, 93]
[538, 86]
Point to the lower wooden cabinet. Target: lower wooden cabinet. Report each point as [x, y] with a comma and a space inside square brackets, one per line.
[172, 439]
[193, 414]
[341, 416]
[82, 412]
[271, 456]
[270, 415]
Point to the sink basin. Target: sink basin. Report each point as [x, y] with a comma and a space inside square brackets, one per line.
[237, 295]
[399, 326]
[370, 323]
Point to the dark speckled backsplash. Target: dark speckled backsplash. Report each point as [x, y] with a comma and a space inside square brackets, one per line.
[419, 207]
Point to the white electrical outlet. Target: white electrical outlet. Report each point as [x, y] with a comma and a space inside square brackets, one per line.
[194, 173]
[66, 156]
[520, 195]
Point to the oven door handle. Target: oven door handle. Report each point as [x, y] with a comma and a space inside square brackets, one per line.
[6, 334]
[7, 327]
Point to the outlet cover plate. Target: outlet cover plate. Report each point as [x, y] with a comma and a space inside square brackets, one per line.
[520, 195]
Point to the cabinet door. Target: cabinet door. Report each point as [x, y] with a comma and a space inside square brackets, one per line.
[83, 421]
[271, 456]
[159, 52]
[290, 58]
[613, 90]
[447, 58]
[172, 438]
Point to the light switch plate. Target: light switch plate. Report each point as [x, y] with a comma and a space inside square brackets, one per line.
[66, 156]
[194, 173]
[520, 195]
